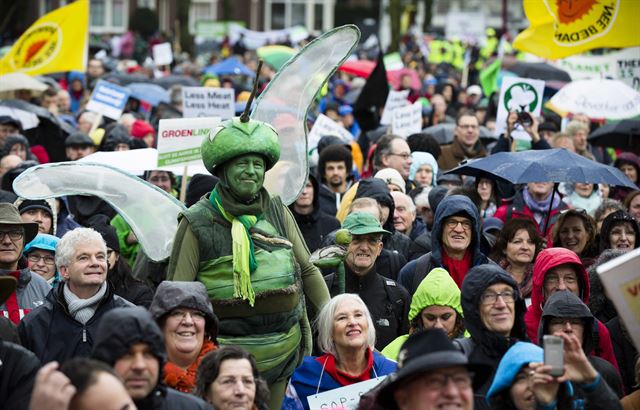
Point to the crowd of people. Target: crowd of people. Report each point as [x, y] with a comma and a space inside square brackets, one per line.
[445, 287]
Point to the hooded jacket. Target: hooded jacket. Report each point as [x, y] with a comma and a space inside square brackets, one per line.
[48, 243]
[455, 205]
[18, 368]
[31, 292]
[122, 328]
[619, 192]
[546, 260]
[489, 347]
[613, 219]
[436, 289]
[12, 140]
[516, 207]
[316, 225]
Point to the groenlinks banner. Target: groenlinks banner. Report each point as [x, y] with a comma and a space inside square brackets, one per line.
[56, 42]
[562, 28]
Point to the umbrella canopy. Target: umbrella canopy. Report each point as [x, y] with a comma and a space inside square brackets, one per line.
[20, 81]
[624, 135]
[136, 161]
[125, 79]
[27, 119]
[443, 133]
[550, 165]
[175, 79]
[539, 71]
[151, 93]
[359, 68]
[229, 66]
[395, 77]
[598, 99]
[276, 55]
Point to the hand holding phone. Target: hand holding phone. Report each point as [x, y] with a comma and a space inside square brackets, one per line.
[554, 354]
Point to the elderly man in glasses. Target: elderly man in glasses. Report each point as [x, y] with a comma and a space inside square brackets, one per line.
[32, 289]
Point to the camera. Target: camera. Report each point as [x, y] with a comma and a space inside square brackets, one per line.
[525, 119]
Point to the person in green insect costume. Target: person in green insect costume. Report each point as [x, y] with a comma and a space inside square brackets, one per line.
[245, 247]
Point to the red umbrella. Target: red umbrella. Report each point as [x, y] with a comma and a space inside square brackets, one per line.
[359, 68]
[394, 77]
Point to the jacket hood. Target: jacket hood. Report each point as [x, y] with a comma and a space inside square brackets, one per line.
[377, 189]
[423, 158]
[121, 328]
[438, 288]
[12, 140]
[450, 206]
[565, 304]
[628, 158]
[477, 280]
[613, 219]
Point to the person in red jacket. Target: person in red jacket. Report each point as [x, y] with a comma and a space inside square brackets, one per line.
[561, 269]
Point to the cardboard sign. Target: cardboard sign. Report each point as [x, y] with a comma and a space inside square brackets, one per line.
[518, 94]
[162, 54]
[346, 397]
[621, 279]
[208, 102]
[395, 99]
[108, 99]
[407, 120]
[326, 126]
[179, 140]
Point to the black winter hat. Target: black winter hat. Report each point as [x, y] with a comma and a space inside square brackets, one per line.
[100, 223]
[200, 185]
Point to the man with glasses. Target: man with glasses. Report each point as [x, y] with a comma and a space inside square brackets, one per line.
[559, 269]
[393, 151]
[494, 317]
[388, 302]
[32, 289]
[65, 325]
[466, 142]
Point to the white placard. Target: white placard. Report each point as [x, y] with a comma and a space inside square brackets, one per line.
[465, 25]
[346, 397]
[179, 140]
[208, 102]
[162, 54]
[407, 120]
[108, 99]
[326, 126]
[395, 99]
[518, 94]
[621, 279]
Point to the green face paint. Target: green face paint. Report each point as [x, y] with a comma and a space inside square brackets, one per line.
[245, 176]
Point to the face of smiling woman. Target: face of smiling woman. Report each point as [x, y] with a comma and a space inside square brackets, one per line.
[245, 175]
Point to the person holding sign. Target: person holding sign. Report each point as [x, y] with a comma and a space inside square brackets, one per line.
[346, 336]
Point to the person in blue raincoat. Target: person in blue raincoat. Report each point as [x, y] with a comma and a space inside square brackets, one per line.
[41, 254]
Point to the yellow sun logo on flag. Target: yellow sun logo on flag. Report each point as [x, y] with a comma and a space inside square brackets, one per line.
[37, 47]
[581, 21]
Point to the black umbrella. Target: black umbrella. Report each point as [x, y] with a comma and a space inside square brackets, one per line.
[126, 79]
[50, 133]
[539, 71]
[174, 79]
[624, 135]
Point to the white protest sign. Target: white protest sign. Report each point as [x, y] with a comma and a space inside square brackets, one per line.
[162, 54]
[346, 397]
[179, 140]
[621, 279]
[407, 120]
[395, 99]
[208, 102]
[518, 94]
[465, 25]
[108, 99]
[326, 126]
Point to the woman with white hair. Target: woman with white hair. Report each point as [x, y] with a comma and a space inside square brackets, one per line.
[346, 336]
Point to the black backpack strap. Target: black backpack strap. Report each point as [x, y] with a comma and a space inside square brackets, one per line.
[390, 288]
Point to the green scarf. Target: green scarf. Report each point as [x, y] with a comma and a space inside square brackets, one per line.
[242, 217]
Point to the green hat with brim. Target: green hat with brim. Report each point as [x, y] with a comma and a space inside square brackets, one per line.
[363, 223]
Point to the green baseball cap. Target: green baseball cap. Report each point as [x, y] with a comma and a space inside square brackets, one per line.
[363, 223]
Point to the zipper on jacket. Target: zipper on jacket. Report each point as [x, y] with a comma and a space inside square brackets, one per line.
[84, 334]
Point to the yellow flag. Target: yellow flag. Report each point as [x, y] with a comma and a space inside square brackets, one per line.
[57, 42]
[560, 28]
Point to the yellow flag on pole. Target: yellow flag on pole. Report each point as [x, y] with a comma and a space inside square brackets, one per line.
[560, 28]
[57, 41]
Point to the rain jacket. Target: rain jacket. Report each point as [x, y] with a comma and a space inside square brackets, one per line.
[122, 328]
[565, 304]
[48, 243]
[455, 153]
[550, 258]
[436, 289]
[309, 379]
[517, 208]
[489, 347]
[18, 368]
[411, 275]
[30, 294]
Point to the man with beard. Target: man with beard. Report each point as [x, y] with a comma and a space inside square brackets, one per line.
[334, 166]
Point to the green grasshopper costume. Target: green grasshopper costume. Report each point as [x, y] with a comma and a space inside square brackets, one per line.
[246, 248]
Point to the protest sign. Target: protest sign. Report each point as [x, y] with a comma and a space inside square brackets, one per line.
[179, 140]
[407, 120]
[621, 279]
[518, 94]
[395, 99]
[346, 397]
[465, 25]
[162, 54]
[623, 65]
[208, 102]
[108, 99]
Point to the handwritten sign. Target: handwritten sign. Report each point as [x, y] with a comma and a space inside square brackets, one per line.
[326, 126]
[162, 54]
[395, 99]
[621, 279]
[208, 102]
[407, 120]
[108, 99]
[346, 397]
[179, 140]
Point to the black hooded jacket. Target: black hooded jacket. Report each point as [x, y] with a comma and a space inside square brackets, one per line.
[316, 225]
[18, 368]
[122, 328]
[416, 270]
[489, 347]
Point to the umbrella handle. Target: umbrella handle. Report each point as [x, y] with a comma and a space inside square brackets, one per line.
[546, 219]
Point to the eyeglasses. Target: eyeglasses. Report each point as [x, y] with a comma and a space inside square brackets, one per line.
[182, 315]
[453, 223]
[404, 156]
[489, 298]
[14, 235]
[48, 259]
[439, 381]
